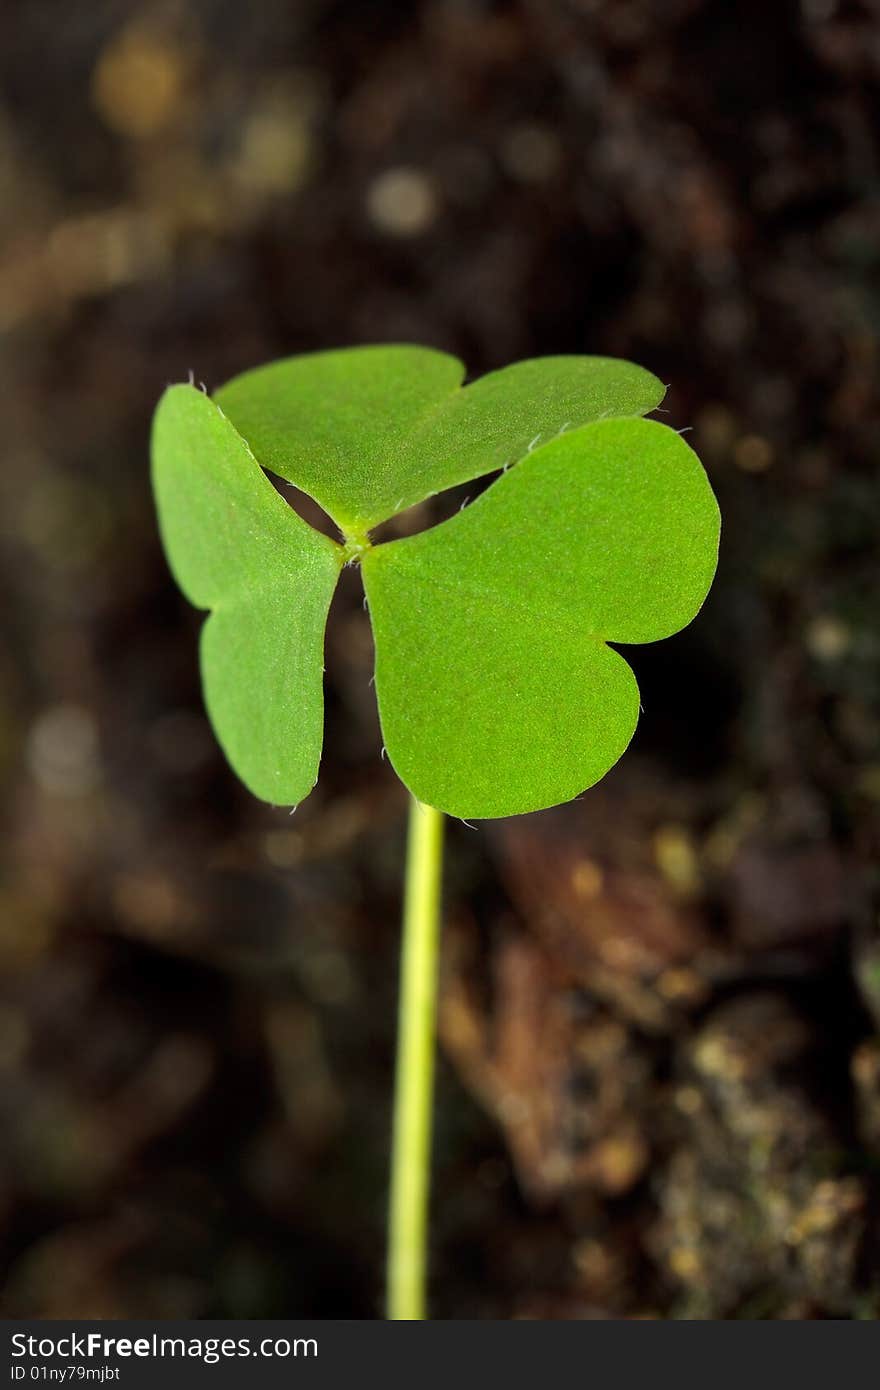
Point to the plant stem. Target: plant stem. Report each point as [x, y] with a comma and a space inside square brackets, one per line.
[414, 1081]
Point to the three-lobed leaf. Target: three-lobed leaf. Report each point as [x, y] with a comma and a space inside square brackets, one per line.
[497, 691]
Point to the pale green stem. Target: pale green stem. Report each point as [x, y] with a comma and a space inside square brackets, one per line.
[414, 1081]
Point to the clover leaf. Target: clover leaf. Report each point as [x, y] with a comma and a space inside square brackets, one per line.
[497, 690]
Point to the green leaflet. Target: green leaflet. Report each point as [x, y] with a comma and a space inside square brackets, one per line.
[236, 547]
[497, 691]
[370, 431]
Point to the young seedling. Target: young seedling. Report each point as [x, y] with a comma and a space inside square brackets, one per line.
[498, 692]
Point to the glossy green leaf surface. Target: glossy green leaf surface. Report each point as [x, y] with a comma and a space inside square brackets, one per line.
[370, 431]
[237, 548]
[491, 628]
[498, 692]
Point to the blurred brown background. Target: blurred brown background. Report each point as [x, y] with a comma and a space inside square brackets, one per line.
[660, 1086]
